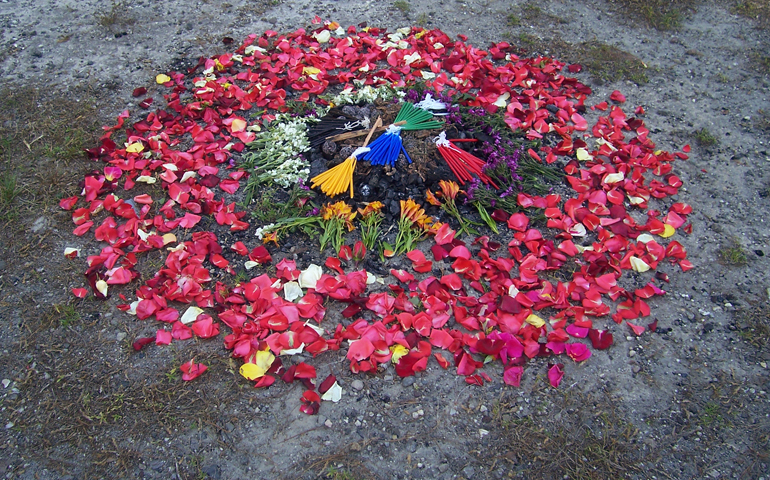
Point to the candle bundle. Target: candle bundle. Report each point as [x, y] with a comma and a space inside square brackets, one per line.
[462, 163]
[340, 178]
[386, 149]
[331, 125]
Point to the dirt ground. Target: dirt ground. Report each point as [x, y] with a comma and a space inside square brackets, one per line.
[688, 401]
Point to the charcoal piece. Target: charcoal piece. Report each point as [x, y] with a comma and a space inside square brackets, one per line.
[328, 149]
[351, 110]
[394, 207]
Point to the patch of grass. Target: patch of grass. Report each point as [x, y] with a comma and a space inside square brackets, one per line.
[762, 120]
[607, 63]
[755, 9]
[40, 138]
[333, 473]
[733, 255]
[760, 60]
[754, 326]
[531, 10]
[422, 19]
[402, 6]
[62, 315]
[660, 14]
[711, 414]
[705, 138]
[586, 443]
[9, 191]
[116, 17]
[530, 13]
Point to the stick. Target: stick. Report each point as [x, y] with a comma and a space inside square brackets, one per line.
[347, 135]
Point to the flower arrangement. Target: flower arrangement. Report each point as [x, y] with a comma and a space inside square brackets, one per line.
[369, 219]
[446, 199]
[413, 226]
[336, 219]
[276, 154]
[514, 281]
[364, 93]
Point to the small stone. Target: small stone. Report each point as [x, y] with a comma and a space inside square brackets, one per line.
[636, 369]
[407, 382]
[328, 149]
[443, 467]
[357, 385]
[213, 471]
[6, 382]
[328, 423]
[120, 336]
[631, 353]
[39, 225]
[469, 471]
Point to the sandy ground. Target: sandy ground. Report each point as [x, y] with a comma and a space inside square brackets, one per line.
[690, 401]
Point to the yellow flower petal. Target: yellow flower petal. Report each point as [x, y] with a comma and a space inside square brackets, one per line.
[162, 78]
[668, 230]
[169, 238]
[264, 359]
[135, 147]
[251, 371]
[535, 321]
[397, 352]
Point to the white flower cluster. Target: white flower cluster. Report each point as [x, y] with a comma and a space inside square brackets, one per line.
[276, 152]
[367, 94]
[261, 231]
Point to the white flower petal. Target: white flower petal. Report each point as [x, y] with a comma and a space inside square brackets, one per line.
[292, 291]
[309, 277]
[190, 315]
[334, 394]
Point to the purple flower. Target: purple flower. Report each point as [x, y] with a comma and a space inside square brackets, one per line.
[472, 187]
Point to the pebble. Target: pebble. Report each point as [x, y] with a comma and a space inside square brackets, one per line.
[357, 385]
[39, 225]
[443, 467]
[213, 471]
[407, 382]
[120, 336]
[636, 369]
[469, 471]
